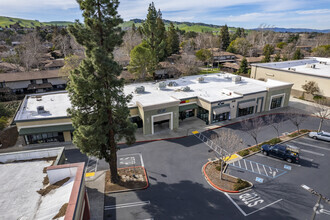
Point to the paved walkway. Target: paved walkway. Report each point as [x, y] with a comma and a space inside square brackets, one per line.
[95, 189]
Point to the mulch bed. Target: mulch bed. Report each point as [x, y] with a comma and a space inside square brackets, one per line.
[127, 180]
[227, 182]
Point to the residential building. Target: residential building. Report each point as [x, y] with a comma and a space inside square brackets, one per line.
[31, 82]
[211, 98]
[298, 72]
[26, 174]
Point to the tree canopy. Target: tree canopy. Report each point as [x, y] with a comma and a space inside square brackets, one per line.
[172, 40]
[224, 37]
[99, 110]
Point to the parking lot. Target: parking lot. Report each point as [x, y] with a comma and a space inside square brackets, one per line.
[282, 189]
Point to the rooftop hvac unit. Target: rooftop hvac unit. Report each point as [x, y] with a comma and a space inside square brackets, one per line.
[41, 109]
[236, 79]
[139, 89]
[323, 62]
[200, 79]
[162, 85]
[310, 66]
[292, 69]
[172, 83]
[185, 89]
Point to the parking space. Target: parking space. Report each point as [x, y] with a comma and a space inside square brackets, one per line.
[130, 160]
[279, 190]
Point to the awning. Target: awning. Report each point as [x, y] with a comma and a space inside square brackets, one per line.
[46, 129]
[247, 104]
[162, 118]
[218, 111]
[39, 86]
[187, 107]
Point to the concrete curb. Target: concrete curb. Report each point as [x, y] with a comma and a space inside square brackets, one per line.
[127, 190]
[217, 127]
[218, 188]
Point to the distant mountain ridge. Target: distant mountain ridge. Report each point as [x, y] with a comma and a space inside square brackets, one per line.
[187, 26]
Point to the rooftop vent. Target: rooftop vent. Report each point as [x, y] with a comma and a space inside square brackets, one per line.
[292, 69]
[310, 66]
[172, 83]
[323, 62]
[236, 79]
[200, 79]
[162, 85]
[41, 109]
[185, 89]
[139, 89]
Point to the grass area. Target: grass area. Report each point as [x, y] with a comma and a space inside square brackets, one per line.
[6, 21]
[295, 134]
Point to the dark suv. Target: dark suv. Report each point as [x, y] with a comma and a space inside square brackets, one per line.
[285, 152]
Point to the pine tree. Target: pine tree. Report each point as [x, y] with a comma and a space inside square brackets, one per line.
[172, 41]
[267, 51]
[142, 63]
[244, 66]
[154, 32]
[298, 55]
[224, 37]
[99, 110]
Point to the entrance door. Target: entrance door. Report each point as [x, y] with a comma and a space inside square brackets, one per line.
[161, 122]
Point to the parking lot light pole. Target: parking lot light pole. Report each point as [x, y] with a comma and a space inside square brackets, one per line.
[318, 201]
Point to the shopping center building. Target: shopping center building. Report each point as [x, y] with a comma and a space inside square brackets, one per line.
[211, 98]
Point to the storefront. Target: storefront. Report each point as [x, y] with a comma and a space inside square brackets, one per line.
[221, 114]
[246, 108]
[203, 114]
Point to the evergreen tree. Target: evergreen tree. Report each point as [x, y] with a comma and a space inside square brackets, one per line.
[99, 110]
[224, 37]
[154, 32]
[277, 57]
[267, 51]
[173, 42]
[244, 66]
[142, 63]
[298, 55]
[133, 27]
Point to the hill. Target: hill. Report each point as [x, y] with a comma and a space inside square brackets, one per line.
[295, 30]
[6, 21]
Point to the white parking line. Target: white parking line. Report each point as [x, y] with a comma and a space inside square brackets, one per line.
[306, 158]
[324, 211]
[278, 160]
[126, 205]
[251, 166]
[139, 154]
[264, 207]
[239, 163]
[235, 204]
[245, 165]
[309, 145]
[311, 152]
[258, 168]
[265, 170]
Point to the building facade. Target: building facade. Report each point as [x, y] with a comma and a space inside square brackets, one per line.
[158, 106]
[297, 72]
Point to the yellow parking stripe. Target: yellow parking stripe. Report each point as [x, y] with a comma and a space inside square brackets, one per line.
[195, 132]
[90, 174]
[231, 157]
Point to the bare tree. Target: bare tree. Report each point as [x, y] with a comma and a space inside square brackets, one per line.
[229, 143]
[275, 121]
[131, 39]
[253, 127]
[297, 119]
[322, 110]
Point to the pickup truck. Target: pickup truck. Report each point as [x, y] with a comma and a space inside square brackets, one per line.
[285, 152]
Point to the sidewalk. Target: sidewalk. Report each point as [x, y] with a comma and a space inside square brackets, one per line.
[95, 190]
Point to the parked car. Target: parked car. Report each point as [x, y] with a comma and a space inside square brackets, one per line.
[320, 135]
[285, 152]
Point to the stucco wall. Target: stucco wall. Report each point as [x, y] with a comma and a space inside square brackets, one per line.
[298, 79]
[42, 122]
[274, 92]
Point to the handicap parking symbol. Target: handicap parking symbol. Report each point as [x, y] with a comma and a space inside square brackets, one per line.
[260, 180]
[287, 167]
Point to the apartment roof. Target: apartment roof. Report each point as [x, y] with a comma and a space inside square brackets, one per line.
[33, 75]
[302, 66]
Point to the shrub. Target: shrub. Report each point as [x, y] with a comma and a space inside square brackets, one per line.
[255, 148]
[243, 153]
[3, 122]
[318, 97]
[241, 184]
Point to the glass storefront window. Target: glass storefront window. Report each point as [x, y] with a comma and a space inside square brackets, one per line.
[245, 111]
[45, 138]
[203, 114]
[221, 117]
[276, 102]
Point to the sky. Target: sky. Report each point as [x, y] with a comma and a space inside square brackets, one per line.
[313, 14]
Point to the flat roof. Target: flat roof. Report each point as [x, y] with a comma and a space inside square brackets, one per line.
[215, 87]
[19, 197]
[302, 66]
[55, 105]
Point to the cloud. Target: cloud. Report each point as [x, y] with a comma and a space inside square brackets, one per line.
[315, 11]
